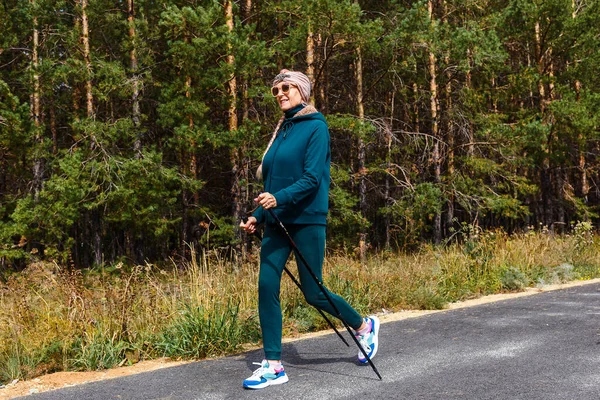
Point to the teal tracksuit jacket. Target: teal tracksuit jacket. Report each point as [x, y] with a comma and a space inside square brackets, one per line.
[296, 171]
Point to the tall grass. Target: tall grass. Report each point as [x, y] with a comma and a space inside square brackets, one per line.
[54, 319]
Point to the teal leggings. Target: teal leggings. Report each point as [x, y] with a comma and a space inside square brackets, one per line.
[274, 253]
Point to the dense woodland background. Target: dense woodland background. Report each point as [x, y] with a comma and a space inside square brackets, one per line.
[130, 130]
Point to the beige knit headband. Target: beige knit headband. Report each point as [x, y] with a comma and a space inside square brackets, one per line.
[296, 78]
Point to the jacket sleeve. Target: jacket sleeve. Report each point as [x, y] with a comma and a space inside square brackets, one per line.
[259, 214]
[315, 161]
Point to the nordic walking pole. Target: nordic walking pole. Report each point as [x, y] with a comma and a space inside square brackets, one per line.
[324, 291]
[300, 287]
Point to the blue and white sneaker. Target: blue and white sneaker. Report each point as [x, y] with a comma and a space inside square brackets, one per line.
[265, 376]
[369, 341]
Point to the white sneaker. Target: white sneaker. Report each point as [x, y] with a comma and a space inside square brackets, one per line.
[370, 341]
[265, 376]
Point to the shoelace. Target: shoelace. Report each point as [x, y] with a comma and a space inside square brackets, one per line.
[260, 371]
[362, 339]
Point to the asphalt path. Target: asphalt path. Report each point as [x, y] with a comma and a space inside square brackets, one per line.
[544, 346]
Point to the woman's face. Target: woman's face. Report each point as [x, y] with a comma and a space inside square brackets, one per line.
[288, 96]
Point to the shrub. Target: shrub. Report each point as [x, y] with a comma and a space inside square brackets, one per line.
[513, 279]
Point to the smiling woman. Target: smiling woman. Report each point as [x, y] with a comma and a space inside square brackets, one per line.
[295, 174]
[290, 95]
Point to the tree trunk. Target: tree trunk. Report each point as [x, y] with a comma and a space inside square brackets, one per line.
[53, 129]
[192, 164]
[388, 166]
[135, 81]
[76, 106]
[310, 59]
[246, 101]
[38, 165]
[540, 66]
[561, 187]
[35, 95]
[417, 121]
[233, 119]
[584, 187]
[189, 167]
[85, 37]
[561, 174]
[235, 155]
[323, 87]
[449, 137]
[95, 218]
[248, 10]
[545, 176]
[469, 84]
[437, 171]
[493, 99]
[246, 162]
[362, 184]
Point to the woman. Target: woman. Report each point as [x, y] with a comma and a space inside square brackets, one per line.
[295, 173]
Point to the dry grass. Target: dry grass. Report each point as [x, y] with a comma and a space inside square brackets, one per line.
[55, 319]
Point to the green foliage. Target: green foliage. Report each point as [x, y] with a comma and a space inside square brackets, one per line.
[305, 318]
[342, 221]
[136, 194]
[513, 279]
[413, 212]
[133, 178]
[14, 127]
[199, 332]
[426, 298]
[351, 125]
[98, 350]
[501, 199]
[583, 233]
[564, 273]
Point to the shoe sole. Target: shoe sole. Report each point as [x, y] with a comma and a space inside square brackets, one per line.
[278, 381]
[376, 325]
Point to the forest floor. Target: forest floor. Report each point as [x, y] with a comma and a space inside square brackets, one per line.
[65, 379]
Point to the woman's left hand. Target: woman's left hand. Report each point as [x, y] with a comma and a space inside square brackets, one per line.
[266, 200]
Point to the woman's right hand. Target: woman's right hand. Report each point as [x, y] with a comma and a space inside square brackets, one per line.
[249, 225]
[266, 200]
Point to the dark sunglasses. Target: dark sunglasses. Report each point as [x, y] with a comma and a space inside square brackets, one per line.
[285, 89]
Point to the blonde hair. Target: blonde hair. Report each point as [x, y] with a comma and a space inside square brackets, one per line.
[273, 136]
